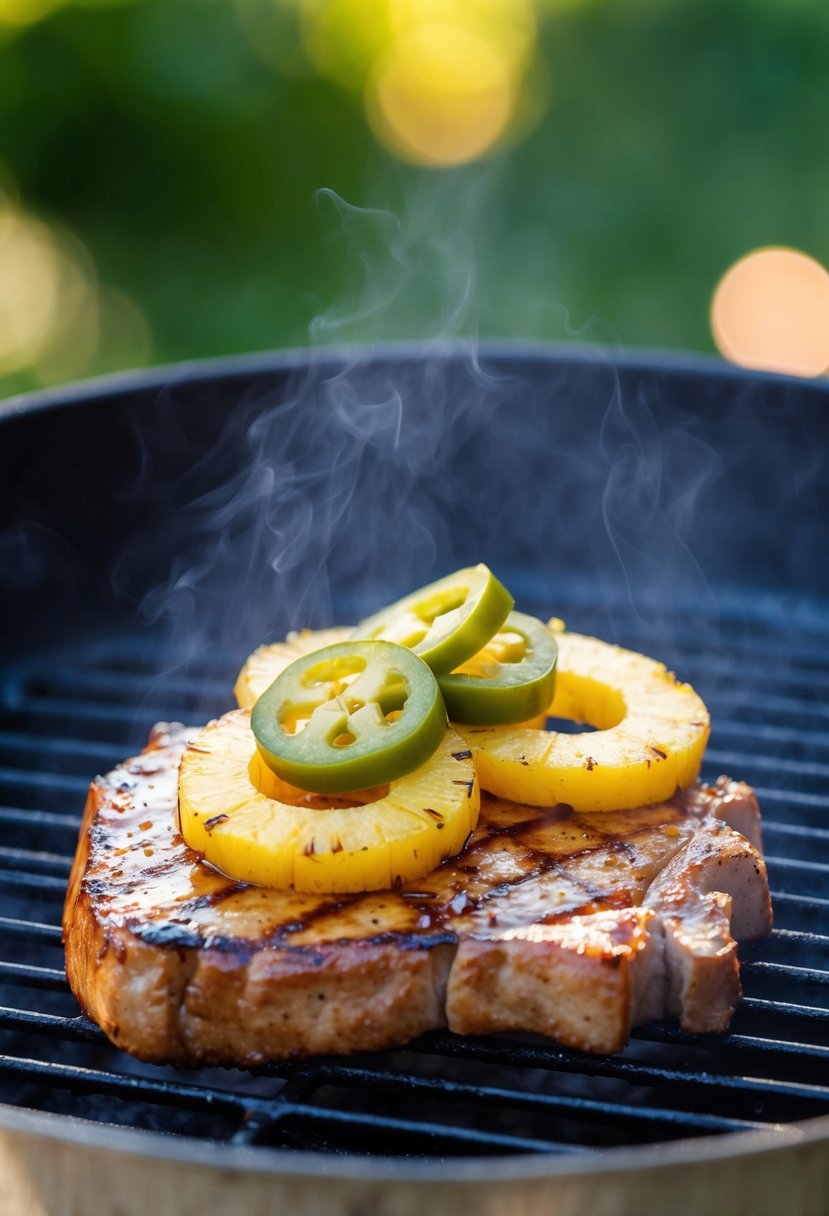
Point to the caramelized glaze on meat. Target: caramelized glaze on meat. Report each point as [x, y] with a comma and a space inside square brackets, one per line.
[574, 926]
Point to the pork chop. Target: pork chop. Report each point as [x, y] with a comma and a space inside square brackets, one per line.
[573, 926]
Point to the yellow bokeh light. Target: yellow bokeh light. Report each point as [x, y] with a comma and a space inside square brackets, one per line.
[106, 331]
[24, 12]
[509, 26]
[73, 344]
[343, 38]
[444, 80]
[441, 95]
[770, 311]
[29, 289]
[46, 284]
[20, 13]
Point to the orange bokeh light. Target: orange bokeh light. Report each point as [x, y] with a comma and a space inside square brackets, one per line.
[770, 311]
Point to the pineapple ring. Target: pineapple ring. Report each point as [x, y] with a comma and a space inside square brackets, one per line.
[258, 829]
[651, 736]
[266, 663]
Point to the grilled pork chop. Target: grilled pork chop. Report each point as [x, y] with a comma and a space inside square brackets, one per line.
[573, 926]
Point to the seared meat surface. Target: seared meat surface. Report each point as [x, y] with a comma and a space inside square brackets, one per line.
[573, 926]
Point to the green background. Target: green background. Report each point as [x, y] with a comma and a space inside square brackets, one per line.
[241, 206]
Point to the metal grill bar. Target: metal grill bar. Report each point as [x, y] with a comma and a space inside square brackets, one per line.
[70, 683]
[29, 930]
[796, 837]
[782, 971]
[15, 744]
[35, 977]
[785, 1008]
[738, 762]
[430, 1131]
[45, 863]
[241, 1107]
[108, 721]
[407, 1084]
[40, 884]
[798, 742]
[77, 1029]
[744, 702]
[803, 867]
[14, 777]
[793, 899]
[739, 1044]
[49, 820]
[637, 1072]
[794, 799]
[789, 936]
[99, 1081]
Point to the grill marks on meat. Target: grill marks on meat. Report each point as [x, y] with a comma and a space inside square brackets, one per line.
[573, 926]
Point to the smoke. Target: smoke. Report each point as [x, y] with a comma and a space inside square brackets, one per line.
[343, 476]
[355, 473]
[412, 275]
[657, 475]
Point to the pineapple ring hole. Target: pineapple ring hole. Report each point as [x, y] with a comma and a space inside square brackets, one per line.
[589, 703]
[268, 783]
[568, 726]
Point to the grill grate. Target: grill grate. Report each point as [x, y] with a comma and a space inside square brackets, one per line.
[67, 715]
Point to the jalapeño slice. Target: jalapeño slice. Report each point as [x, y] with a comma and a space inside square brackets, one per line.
[446, 622]
[352, 715]
[511, 679]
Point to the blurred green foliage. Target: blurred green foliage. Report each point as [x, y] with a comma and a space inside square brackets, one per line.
[157, 137]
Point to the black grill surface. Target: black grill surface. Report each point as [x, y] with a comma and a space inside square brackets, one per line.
[763, 668]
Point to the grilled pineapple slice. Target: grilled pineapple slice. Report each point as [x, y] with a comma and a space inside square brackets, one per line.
[256, 828]
[266, 663]
[651, 736]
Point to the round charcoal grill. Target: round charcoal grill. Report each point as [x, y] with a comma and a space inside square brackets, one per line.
[157, 526]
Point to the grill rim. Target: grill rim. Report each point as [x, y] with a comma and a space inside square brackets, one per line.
[299, 358]
[261, 1160]
[188, 1150]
